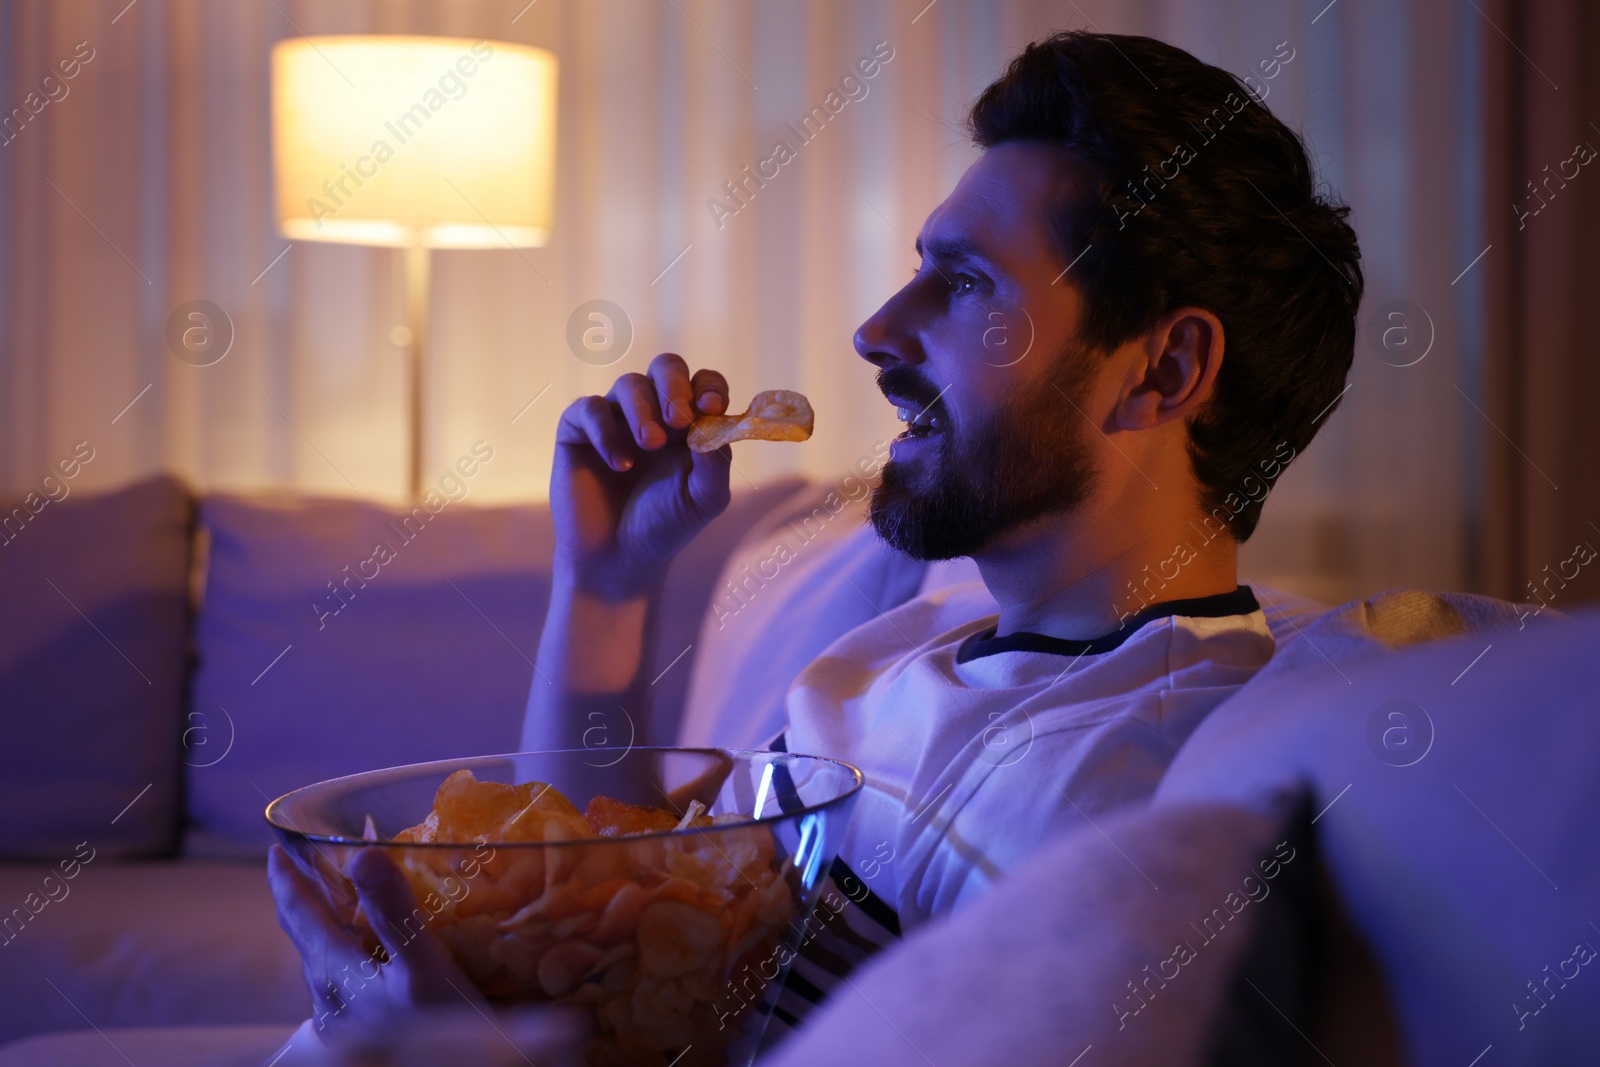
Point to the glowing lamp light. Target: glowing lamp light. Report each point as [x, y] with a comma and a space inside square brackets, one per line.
[415, 143]
[435, 141]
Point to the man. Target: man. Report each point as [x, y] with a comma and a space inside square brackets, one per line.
[1188, 304]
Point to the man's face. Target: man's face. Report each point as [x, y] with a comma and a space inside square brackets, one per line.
[977, 352]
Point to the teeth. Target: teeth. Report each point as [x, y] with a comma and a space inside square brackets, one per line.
[919, 419]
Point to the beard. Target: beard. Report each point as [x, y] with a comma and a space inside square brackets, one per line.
[1001, 470]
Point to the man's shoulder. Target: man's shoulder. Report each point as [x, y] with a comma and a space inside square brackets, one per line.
[908, 631]
[969, 598]
[936, 617]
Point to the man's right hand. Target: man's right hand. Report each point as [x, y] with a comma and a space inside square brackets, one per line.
[626, 493]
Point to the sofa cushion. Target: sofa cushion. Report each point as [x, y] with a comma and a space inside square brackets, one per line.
[1067, 954]
[338, 636]
[149, 943]
[191, 1046]
[1397, 618]
[1456, 784]
[93, 653]
[807, 573]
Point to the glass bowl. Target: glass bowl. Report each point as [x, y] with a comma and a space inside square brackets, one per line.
[677, 940]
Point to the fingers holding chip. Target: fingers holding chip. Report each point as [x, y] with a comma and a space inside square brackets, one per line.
[775, 415]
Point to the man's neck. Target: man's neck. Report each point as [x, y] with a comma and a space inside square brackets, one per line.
[1059, 576]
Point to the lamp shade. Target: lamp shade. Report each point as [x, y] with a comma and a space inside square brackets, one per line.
[441, 142]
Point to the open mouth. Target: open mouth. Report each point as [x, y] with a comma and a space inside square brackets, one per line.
[920, 421]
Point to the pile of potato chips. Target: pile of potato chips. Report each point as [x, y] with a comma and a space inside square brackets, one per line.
[646, 930]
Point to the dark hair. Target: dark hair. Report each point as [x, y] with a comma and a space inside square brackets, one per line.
[1204, 199]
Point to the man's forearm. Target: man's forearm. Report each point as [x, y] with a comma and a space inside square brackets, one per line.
[590, 688]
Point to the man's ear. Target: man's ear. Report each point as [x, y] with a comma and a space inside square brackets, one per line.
[1177, 365]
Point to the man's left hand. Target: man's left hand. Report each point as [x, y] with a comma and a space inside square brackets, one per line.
[351, 983]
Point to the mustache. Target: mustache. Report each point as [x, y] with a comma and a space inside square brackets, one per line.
[909, 384]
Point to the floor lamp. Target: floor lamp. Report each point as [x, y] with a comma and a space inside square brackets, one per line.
[414, 143]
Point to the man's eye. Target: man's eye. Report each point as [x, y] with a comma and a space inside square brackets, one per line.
[960, 284]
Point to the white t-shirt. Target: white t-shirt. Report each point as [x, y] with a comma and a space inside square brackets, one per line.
[977, 749]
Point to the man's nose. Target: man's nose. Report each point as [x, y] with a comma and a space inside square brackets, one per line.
[885, 338]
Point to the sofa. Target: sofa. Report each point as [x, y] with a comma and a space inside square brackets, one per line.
[171, 663]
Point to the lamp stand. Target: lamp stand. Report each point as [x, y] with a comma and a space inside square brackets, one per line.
[417, 269]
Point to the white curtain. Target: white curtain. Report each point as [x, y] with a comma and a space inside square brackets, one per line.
[148, 184]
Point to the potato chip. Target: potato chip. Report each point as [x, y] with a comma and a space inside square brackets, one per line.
[775, 415]
[566, 964]
[470, 810]
[613, 818]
